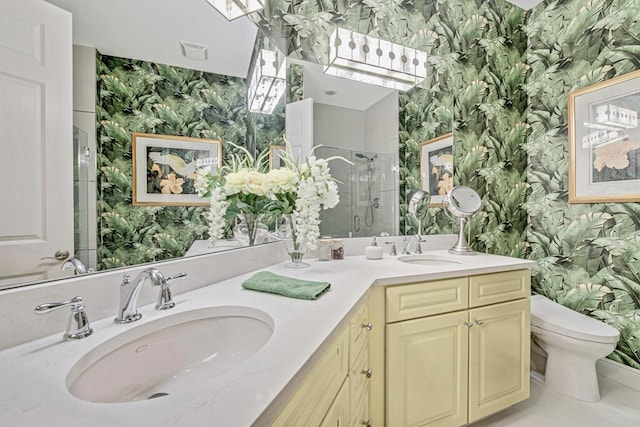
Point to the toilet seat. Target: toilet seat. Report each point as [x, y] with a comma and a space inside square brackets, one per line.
[553, 317]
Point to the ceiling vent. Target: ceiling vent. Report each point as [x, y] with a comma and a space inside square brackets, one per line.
[196, 51]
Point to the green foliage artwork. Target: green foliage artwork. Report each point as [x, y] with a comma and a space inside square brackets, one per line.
[584, 251]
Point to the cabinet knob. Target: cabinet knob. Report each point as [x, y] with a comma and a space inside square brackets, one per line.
[368, 326]
[479, 322]
[468, 324]
[367, 373]
[366, 423]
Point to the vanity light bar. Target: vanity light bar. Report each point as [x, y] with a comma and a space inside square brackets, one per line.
[232, 9]
[267, 83]
[372, 60]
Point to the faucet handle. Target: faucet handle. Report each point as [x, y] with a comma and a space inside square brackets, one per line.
[165, 301]
[392, 251]
[78, 326]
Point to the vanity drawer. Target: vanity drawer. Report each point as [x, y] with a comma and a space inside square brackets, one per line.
[359, 332]
[426, 298]
[360, 413]
[498, 287]
[312, 400]
[359, 377]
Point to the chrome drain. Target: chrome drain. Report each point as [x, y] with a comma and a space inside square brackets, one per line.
[154, 395]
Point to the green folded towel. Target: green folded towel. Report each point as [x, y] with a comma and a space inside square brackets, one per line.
[265, 281]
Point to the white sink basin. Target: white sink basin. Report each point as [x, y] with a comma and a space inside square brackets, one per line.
[424, 259]
[169, 355]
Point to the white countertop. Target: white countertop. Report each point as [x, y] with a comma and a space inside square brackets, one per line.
[33, 378]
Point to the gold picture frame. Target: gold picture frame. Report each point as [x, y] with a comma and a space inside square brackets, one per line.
[276, 152]
[436, 167]
[165, 166]
[604, 141]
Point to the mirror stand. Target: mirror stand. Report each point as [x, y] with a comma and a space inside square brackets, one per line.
[462, 247]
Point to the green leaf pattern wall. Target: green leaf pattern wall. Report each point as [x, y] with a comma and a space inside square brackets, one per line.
[582, 249]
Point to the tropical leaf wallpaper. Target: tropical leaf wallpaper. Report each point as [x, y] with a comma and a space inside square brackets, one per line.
[138, 96]
[584, 251]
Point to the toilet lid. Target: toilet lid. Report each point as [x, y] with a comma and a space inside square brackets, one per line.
[553, 317]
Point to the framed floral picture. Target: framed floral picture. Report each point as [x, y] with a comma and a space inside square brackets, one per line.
[436, 167]
[604, 141]
[165, 168]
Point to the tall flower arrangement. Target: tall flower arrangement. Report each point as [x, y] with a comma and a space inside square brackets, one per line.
[238, 188]
[245, 186]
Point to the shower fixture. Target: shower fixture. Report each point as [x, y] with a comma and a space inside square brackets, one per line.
[364, 156]
[368, 217]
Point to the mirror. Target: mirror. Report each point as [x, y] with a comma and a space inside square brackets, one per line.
[462, 202]
[144, 21]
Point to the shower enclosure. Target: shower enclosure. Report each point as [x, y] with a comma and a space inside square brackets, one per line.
[368, 194]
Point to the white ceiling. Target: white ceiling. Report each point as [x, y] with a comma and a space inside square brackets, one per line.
[152, 30]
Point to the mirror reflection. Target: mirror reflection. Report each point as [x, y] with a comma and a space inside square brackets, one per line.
[159, 85]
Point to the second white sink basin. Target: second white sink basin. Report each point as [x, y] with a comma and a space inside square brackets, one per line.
[425, 259]
[169, 355]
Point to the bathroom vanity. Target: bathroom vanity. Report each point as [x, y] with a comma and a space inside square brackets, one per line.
[362, 354]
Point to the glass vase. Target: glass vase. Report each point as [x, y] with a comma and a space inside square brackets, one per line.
[295, 244]
[250, 231]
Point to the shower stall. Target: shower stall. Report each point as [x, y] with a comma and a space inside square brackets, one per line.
[368, 194]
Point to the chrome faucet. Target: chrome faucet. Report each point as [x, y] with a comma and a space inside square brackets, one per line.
[78, 326]
[129, 290]
[419, 240]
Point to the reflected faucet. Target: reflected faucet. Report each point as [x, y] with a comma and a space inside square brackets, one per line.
[129, 290]
[76, 264]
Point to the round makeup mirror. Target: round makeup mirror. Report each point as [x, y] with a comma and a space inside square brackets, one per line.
[418, 205]
[462, 202]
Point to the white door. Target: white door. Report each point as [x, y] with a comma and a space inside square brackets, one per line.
[36, 196]
[299, 127]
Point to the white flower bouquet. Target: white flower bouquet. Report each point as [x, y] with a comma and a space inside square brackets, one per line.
[245, 186]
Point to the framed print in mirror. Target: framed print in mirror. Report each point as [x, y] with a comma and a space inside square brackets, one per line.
[165, 167]
[604, 141]
[436, 167]
[276, 153]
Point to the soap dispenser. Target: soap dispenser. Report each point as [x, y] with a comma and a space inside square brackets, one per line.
[374, 251]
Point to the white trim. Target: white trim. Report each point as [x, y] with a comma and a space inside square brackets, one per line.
[618, 372]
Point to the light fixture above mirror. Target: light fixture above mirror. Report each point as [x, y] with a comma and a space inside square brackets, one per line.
[372, 60]
[267, 82]
[232, 9]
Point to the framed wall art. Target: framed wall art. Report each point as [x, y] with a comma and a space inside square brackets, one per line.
[276, 153]
[165, 168]
[436, 167]
[604, 141]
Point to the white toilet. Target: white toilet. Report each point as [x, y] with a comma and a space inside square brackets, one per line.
[573, 343]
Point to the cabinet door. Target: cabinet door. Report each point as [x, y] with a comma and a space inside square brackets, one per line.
[498, 357]
[426, 373]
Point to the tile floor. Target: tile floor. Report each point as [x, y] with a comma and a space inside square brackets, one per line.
[619, 406]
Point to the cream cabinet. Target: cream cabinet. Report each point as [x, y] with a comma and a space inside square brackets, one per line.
[336, 391]
[456, 350]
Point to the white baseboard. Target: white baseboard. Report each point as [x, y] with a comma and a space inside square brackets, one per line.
[618, 372]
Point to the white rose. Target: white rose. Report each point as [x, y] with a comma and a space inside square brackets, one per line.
[254, 183]
[280, 180]
[234, 182]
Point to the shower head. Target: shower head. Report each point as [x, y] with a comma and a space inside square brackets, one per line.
[363, 156]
